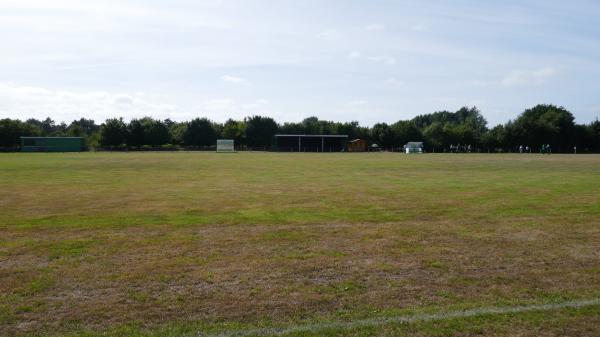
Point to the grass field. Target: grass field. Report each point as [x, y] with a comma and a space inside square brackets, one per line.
[173, 244]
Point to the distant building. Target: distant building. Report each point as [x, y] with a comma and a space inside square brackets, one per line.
[52, 144]
[413, 147]
[310, 143]
[357, 145]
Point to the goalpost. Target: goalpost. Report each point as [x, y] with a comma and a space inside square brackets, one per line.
[225, 145]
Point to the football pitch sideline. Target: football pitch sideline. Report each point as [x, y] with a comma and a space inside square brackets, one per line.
[257, 244]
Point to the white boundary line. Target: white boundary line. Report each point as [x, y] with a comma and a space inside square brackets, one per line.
[315, 328]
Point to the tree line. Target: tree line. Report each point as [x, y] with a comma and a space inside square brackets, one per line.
[439, 131]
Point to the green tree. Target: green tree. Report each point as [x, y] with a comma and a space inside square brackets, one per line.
[235, 130]
[156, 132]
[76, 131]
[434, 136]
[312, 126]
[177, 131]
[93, 141]
[383, 135]
[594, 130]
[260, 131]
[49, 127]
[406, 131]
[494, 139]
[200, 132]
[83, 126]
[113, 132]
[291, 128]
[136, 133]
[11, 131]
[545, 124]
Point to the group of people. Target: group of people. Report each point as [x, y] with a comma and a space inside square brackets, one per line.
[460, 148]
[524, 149]
[545, 149]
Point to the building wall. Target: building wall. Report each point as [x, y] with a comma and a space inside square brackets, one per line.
[309, 144]
[52, 144]
[357, 146]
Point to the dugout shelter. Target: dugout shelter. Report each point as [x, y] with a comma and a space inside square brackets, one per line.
[52, 144]
[310, 143]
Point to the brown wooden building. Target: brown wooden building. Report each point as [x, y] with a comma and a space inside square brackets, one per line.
[357, 145]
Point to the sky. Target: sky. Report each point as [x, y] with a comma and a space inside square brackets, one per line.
[367, 61]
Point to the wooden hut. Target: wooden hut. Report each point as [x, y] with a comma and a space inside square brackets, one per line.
[357, 145]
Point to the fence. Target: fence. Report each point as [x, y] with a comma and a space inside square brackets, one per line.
[173, 148]
[579, 150]
[10, 149]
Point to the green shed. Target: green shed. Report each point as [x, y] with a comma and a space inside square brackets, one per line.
[52, 144]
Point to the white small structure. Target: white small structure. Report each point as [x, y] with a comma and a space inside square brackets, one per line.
[414, 147]
[225, 145]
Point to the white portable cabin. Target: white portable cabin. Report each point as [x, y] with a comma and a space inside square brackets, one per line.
[414, 147]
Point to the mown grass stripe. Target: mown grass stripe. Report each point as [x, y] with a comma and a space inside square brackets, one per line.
[405, 319]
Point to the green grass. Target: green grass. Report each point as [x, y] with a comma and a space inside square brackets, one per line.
[158, 244]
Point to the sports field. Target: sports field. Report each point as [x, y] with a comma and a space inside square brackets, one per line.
[194, 244]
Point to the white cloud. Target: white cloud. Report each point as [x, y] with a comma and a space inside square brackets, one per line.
[353, 55]
[94, 16]
[385, 59]
[233, 79]
[259, 103]
[124, 99]
[217, 104]
[221, 109]
[394, 81]
[375, 27]
[20, 101]
[358, 102]
[419, 27]
[529, 77]
[518, 77]
[479, 83]
[329, 35]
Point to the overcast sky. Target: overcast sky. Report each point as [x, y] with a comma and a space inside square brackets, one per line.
[348, 60]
